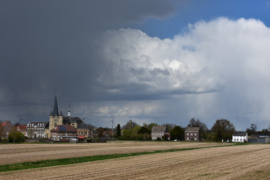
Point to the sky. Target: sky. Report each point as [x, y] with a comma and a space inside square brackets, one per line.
[149, 61]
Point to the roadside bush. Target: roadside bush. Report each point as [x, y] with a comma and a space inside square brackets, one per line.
[4, 140]
[19, 137]
[136, 137]
[123, 138]
[158, 139]
[147, 136]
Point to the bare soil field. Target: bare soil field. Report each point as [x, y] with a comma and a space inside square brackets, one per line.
[231, 162]
[15, 153]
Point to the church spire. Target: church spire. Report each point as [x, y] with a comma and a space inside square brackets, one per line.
[69, 111]
[55, 107]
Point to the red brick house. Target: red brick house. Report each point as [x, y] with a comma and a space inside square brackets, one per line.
[22, 129]
[5, 129]
[193, 134]
[63, 133]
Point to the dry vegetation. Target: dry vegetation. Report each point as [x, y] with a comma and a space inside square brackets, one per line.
[32, 152]
[232, 162]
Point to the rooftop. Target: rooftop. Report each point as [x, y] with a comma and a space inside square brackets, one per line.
[64, 128]
[159, 129]
[192, 129]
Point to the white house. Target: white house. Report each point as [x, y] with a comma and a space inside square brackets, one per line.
[240, 137]
[158, 132]
[36, 129]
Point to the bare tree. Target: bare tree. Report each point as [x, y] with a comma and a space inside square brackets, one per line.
[197, 123]
[253, 128]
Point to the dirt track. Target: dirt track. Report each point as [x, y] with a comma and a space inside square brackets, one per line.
[212, 163]
[33, 152]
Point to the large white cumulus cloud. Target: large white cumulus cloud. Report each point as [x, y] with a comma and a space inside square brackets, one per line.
[226, 58]
[170, 65]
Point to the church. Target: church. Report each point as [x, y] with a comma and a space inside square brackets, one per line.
[56, 118]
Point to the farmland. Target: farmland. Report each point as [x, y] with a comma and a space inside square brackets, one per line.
[230, 162]
[33, 152]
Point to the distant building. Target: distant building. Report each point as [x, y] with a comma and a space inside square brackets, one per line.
[63, 133]
[107, 133]
[6, 126]
[193, 134]
[36, 129]
[240, 137]
[159, 131]
[95, 133]
[56, 118]
[84, 130]
[22, 129]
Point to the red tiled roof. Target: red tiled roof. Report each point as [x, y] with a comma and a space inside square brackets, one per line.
[3, 124]
[81, 137]
[22, 127]
[66, 128]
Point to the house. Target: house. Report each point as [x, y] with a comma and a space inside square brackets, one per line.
[36, 129]
[193, 134]
[252, 139]
[107, 133]
[95, 133]
[240, 137]
[63, 133]
[22, 129]
[261, 138]
[159, 131]
[84, 131]
[5, 129]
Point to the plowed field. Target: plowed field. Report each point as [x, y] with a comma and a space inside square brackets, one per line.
[32, 152]
[231, 162]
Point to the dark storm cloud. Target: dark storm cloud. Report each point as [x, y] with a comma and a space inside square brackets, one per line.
[46, 46]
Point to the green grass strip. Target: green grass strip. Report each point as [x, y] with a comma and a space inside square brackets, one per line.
[66, 161]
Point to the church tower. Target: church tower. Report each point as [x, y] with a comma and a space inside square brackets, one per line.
[55, 117]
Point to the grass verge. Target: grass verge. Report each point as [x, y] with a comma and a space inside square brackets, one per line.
[66, 161]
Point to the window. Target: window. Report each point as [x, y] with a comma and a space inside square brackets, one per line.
[195, 139]
[191, 134]
[187, 133]
[187, 138]
[195, 134]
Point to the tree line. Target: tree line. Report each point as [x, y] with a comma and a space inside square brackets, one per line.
[221, 129]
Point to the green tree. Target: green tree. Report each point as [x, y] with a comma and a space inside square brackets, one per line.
[177, 133]
[223, 129]
[151, 125]
[129, 125]
[169, 126]
[126, 132]
[143, 130]
[212, 137]
[100, 131]
[135, 130]
[118, 130]
[19, 137]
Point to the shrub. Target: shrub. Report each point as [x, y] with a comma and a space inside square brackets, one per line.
[158, 139]
[19, 137]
